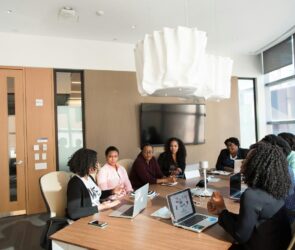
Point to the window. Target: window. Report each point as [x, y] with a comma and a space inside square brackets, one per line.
[69, 115]
[280, 96]
[247, 108]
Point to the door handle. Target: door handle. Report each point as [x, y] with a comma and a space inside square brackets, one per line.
[18, 162]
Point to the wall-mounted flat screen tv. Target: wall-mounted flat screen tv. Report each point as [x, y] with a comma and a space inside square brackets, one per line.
[159, 122]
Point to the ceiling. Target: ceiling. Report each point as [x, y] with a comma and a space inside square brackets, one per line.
[232, 26]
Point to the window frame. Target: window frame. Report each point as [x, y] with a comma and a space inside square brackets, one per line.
[55, 71]
[254, 80]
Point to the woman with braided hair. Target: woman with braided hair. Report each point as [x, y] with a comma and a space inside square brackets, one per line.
[262, 221]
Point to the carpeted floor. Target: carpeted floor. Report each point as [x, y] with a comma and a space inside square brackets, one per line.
[22, 232]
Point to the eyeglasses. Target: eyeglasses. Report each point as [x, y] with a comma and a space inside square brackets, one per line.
[148, 152]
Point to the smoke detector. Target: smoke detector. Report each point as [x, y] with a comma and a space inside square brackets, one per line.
[68, 13]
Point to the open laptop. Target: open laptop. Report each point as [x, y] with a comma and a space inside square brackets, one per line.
[191, 171]
[183, 212]
[140, 202]
[237, 165]
[235, 190]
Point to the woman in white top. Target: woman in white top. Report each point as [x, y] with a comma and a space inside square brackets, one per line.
[83, 195]
[112, 175]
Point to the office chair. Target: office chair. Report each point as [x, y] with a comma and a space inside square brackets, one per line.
[127, 164]
[54, 189]
[292, 242]
[291, 245]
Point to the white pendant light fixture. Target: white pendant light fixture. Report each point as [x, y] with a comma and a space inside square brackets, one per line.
[173, 62]
[168, 62]
[215, 78]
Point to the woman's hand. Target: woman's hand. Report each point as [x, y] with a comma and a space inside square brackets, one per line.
[176, 171]
[216, 204]
[119, 190]
[108, 204]
[228, 169]
[171, 179]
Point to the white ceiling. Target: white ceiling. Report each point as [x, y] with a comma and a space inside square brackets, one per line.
[232, 26]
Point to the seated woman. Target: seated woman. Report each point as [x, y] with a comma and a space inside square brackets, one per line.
[290, 139]
[232, 152]
[83, 195]
[145, 169]
[262, 222]
[172, 160]
[286, 141]
[112, 174]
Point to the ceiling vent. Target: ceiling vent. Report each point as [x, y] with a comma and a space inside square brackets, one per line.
[68, 13]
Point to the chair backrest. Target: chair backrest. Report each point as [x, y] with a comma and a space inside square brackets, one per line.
[127, 164]
[54, 189]
[292, 242]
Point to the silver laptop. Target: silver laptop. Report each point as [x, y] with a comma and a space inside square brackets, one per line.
[192, 171]
[183, 212]
[237, 165]
[235, 190]
[140, 202]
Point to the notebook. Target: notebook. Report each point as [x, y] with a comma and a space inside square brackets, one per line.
[235, 183]
[183, 212]
[140, 202]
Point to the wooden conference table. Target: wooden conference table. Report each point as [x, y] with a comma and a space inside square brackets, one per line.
[145, 231]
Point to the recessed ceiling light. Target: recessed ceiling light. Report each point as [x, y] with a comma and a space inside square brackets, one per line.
[99, 13]
[68, 13]
[9, 11]
[133, 27]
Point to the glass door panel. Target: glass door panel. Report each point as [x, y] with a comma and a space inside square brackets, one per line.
[69, 114]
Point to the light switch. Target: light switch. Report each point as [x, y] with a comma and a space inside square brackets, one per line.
[37, 157]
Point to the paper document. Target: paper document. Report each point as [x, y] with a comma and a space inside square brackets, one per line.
[219, 172]
[163, 213]
[170, 184]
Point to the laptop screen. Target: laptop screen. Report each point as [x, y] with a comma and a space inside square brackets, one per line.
[140, 199]
[235, 184]
[192, 171]
[181, 204]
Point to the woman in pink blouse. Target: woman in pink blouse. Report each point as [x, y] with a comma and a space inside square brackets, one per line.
[112, 175]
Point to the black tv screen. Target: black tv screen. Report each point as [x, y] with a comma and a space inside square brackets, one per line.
[159, 122]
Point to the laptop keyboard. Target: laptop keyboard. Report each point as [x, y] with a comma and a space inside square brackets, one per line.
[238, 195]
[128, 212]
[193, 220]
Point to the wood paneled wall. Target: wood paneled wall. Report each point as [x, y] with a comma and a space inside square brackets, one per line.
[40, 124]
[112, 117]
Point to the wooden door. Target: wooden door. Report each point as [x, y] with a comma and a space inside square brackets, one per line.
[12, 146]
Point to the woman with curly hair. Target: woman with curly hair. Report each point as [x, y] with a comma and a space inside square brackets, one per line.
[262, 222]
[172, 160]
[84, 197]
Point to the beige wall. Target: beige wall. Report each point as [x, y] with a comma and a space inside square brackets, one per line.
[40, 124]
[112, 117]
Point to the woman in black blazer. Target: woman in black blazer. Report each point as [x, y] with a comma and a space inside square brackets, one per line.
[262, 221]
[172, 160]
[232, 152]
[83, 195]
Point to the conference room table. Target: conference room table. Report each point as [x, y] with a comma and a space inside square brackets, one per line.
[145, 231]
